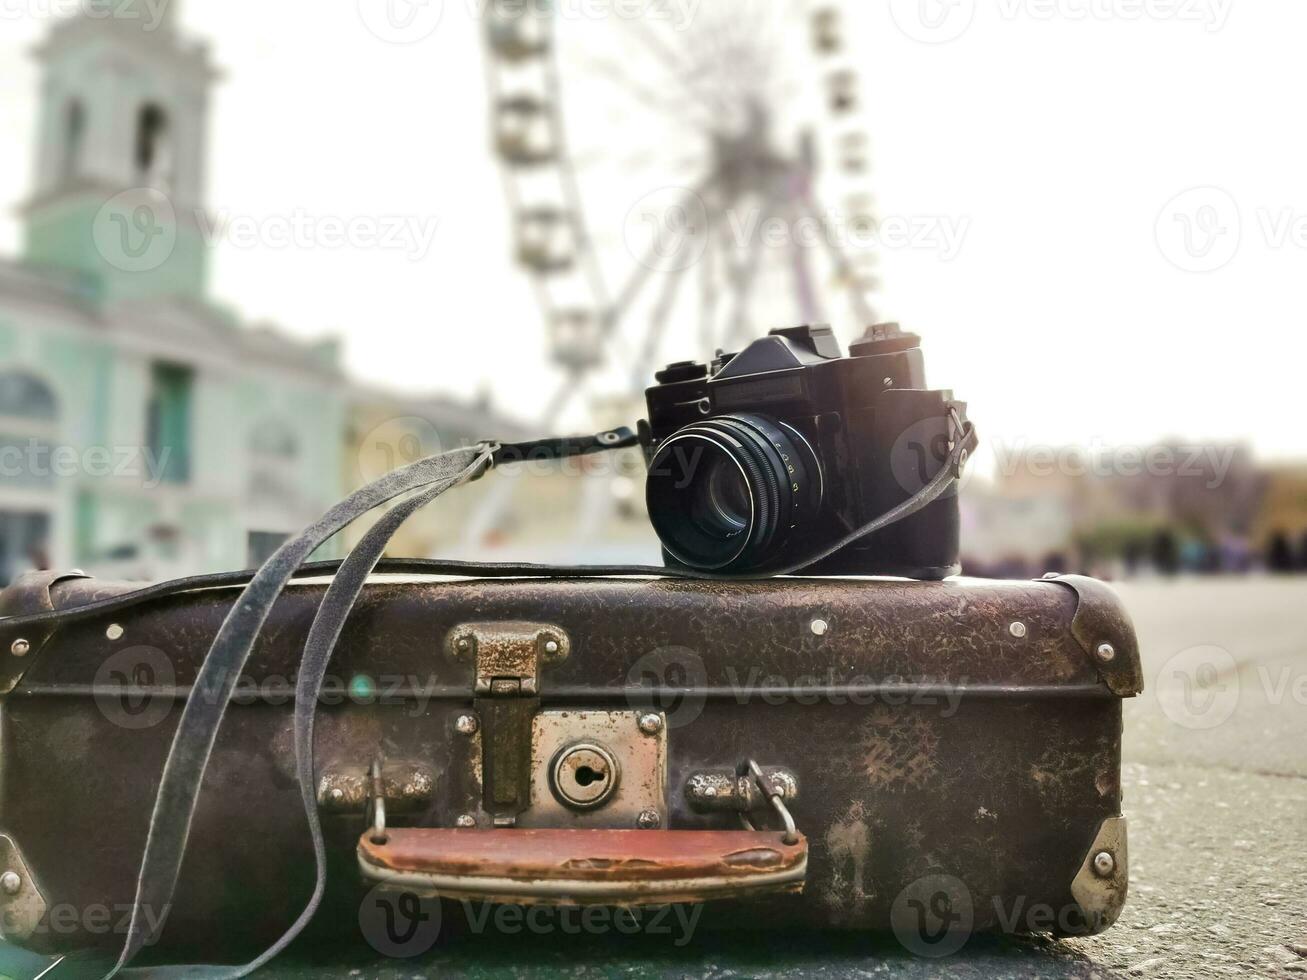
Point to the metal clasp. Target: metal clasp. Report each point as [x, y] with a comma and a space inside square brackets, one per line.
[507, 657]
[769, 790]
[377, 804]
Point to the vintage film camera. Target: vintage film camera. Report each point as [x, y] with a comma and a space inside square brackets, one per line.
[767, 454]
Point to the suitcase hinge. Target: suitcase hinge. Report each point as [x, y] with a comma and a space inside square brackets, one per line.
[507, 658]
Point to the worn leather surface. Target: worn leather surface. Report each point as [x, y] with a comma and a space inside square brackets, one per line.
[970, 751]
[958, 631]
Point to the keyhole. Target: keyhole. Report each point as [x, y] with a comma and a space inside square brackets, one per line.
[584, 775]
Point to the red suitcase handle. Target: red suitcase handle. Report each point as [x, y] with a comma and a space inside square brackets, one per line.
[585, 867]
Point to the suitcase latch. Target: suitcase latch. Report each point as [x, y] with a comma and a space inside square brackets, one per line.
[507, 658]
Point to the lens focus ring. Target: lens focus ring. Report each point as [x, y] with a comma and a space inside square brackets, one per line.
[700, 477]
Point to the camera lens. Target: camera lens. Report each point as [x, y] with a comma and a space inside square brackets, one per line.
[721, 499]
[725, 493]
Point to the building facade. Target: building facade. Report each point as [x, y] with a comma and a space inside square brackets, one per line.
[143, 431]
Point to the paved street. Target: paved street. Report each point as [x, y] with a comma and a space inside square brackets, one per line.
[1216, 794]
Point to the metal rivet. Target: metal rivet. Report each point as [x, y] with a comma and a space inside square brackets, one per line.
[648, 820]
[1106, 652]
[77, 571]
[819, 627]
[1052, 575]
[20, 648]
[1104, 864]
[466, 820]
[114, 632]
[651, 724]
[710, 792]
[1017, 629]
[337, 794]
[463, 644]
[551, 646]
[11, 882]
[466, 724]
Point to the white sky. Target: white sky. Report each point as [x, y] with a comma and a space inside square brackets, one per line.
[1058, 130]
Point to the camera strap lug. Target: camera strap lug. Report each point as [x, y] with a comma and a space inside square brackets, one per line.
[959, 431]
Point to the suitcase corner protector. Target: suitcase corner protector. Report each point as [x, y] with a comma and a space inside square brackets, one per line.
[1102, 883]
[1103, 629]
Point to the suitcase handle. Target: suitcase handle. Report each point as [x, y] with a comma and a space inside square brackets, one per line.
[585, 867]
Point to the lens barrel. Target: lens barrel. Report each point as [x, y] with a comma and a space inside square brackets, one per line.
[725, 493]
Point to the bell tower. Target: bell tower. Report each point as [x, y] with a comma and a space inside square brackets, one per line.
[121, 147]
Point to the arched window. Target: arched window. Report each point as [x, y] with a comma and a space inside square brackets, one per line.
[25, 396]
[153, 146]
[274, 462]
[28, 415]
[74, 137]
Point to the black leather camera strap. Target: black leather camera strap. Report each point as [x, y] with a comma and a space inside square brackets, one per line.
[219, 673]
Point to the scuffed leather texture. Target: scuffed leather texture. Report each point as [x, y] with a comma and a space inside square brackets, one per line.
[927, 737]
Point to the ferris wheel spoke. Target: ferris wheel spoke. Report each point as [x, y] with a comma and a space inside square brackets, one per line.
[810, 306]
[657, 325]
[844, 270]
[707, 302]
[743, 279]
[648, 262]
[696, 75]
[681, 111]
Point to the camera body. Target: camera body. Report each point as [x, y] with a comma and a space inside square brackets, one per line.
[769, 454]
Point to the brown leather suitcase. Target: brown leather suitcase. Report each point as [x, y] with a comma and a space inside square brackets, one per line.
[934, 758]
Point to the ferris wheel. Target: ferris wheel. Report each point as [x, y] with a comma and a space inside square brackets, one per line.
[679, 187]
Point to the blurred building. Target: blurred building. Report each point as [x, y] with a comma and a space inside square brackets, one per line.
[583, 510]
[1280, 529]
[143, 431]
[1167, 506]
